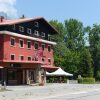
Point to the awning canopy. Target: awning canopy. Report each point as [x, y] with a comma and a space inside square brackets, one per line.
[1, 67]
[59, 72]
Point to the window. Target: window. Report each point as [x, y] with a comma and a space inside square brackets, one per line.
[42, 34]
[12, 75]
[49, 37]
[12, 57]
[43, 46]
[36, 33]
[49, 48]
[36, 58]
[29, 44]
[29, 58]
[29, 31]
[32, 75]
[21, 43]
[36, 46]
[43, 59]
[49, 61]
[12, 41]
[36, 24]
[21, 57]
[13, 27]
[21, 29]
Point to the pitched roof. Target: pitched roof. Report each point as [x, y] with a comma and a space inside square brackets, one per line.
[21, 20]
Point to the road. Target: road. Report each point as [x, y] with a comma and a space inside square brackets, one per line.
[52, 92]
[77, 96]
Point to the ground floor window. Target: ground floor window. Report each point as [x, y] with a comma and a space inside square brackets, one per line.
[0, 75]
[31, 74]
[12, 75]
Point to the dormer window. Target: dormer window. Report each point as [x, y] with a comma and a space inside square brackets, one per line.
[29, 31]
[13, 27]
[49, 37]
[42, 34]
[36, 33]
[21, 29]
[36, 24]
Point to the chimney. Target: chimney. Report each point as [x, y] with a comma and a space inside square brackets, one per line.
[1, 19]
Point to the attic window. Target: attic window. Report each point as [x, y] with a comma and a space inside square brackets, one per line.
[21, 29]
[29, 31]
[13, 27]
[36, 33]
[42, 34]
[49, 37]
[36, 24]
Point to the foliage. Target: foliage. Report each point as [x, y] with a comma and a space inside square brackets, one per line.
[94, 39]
[85, 69]
[86, 80]
[98, 75]
[74, 34]
[71, 51]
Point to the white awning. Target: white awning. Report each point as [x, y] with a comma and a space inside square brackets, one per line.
[1, 67]
[59, 72]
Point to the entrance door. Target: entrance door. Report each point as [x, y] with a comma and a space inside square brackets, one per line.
[0, 75]
[19, 76]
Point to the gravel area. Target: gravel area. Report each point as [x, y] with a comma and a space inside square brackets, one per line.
[40, 92]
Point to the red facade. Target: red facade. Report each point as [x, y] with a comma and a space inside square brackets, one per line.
[23, 58]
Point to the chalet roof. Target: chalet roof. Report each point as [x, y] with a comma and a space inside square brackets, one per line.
[22, 20]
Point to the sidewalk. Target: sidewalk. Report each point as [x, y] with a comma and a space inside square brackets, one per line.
[50, 90]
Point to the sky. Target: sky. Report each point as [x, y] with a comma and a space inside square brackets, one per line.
[86, 11]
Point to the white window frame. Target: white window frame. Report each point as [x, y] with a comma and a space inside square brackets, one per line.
[49, 38]
[42, 34]
[36, 24]
[44, 46]
[11, 55]
[50, 61]
[30, 45]
[30, 57]
[19, 43]
[34, 45]
[29, 31]
[14, 27]
[50, 48]
[36, 33]
[21, 28]
[43, 58]
[14, 41]
[20, 57]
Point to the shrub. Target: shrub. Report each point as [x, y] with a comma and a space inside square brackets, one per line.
[86, 80]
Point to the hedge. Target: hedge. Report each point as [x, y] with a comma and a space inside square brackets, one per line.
[86, 80]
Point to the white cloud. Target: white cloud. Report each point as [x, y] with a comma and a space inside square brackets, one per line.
[7, 6]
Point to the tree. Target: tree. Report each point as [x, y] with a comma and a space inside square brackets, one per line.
[74, 34]
[94, 40]
[60, 49]
[85, 69]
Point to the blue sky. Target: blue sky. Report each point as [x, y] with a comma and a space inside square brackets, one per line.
[87, 11]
